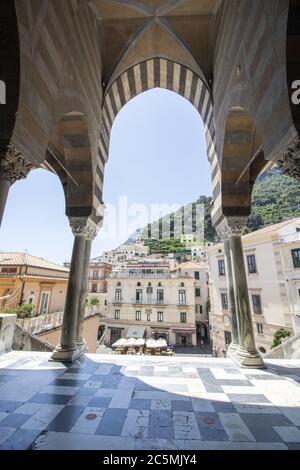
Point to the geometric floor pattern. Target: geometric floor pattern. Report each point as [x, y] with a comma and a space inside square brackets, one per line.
[140, 402]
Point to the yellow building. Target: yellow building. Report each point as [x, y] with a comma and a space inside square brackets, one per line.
[25, 278]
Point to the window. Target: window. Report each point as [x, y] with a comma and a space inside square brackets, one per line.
[9, 270]
[182, 317]
[160, 295]
[118, 284]
[262, 350]
[197, 275]
[139, 284]
[251, 262]
[227, 336]
[198, 292]
[221, 265]
[94, 288]
[149, 289]
[44, 303]
[30, 299]
[95, 274]
[148, 316]
[182, 284]
[138, 315]
[296, 257]
[260, 328]
[139, 295]
[224, 299]
[182, 297]
[256, 304]
[160, 317]
[117, 314]
[118, 294]
[198, 308]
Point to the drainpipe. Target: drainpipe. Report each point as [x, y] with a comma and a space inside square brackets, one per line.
[22, 290]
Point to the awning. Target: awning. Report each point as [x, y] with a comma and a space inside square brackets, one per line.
[135, 332]
[184, 330]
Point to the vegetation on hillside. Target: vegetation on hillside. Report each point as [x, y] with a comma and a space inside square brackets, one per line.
[275, 198]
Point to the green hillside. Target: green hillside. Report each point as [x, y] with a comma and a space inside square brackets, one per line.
[275, 198]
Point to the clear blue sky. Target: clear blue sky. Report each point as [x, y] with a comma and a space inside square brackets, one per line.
[157, 156]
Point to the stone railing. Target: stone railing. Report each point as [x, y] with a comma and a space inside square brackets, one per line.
[49, 321]
[7, 326]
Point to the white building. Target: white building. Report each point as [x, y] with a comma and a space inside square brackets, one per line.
[148, 300]
[272, 260]
[124, 253]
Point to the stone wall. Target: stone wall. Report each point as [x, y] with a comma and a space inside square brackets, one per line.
[288, 349]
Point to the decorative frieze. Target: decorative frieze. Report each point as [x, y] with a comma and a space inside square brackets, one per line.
[231, 226]
[289, 162]
[84, 227]
[13, 165]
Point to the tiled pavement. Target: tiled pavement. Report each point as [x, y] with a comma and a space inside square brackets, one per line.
[126, 402]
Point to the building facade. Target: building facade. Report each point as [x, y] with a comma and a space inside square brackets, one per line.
[27, 279]
[272, 260]
[124, 253]
[98, 273]
[150, 299]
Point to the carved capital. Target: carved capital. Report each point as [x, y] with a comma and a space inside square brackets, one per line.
[13, 165]
[231, 226]
[289, 162]
[83, 227]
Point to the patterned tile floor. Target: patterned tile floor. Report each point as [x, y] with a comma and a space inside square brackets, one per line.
[126, 402]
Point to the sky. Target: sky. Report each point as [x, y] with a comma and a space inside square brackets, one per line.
[157, 162]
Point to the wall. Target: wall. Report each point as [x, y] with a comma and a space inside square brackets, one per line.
[252, 34]
[90, 331]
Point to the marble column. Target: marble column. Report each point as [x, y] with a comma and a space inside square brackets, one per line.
[231, 301]
[246, 354]
[80, 341]
[67, 350]
[13, 167]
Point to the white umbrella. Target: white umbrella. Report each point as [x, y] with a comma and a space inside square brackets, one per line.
[151, 343]
[120, 342]
[139, 342]
[130, 342]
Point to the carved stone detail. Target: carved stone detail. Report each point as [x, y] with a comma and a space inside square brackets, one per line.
[289, 162]
[231, 226]
[13, 165]
[84, 227]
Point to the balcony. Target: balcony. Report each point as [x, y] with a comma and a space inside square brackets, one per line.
[148, 302]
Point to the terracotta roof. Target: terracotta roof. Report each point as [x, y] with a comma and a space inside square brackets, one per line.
[25, 259]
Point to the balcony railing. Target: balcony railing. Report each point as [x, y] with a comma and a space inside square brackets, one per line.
[148, 301]
[50, 321]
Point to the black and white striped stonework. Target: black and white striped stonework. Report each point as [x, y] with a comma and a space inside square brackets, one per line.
[150, 74]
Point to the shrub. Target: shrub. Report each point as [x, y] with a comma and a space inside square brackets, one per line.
[279, 336]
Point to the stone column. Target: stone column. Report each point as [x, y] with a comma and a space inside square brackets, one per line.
[13, 167]
[247, 354]
[67, 350]
[80, 341]
[231, 301]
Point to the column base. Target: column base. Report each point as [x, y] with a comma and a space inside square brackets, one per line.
[248, 359]
[82, 346]
[65, 354]
[232, 350]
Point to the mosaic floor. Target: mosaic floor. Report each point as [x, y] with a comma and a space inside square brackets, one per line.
[126, 402]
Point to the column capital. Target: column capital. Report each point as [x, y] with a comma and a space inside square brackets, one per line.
[289, 162]
[231, 226]
[83, 227]
[13, 165]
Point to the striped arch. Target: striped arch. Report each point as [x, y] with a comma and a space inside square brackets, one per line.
[242, 161]
[155, 73]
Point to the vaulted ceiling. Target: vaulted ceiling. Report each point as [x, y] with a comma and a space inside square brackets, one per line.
[135, 30]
